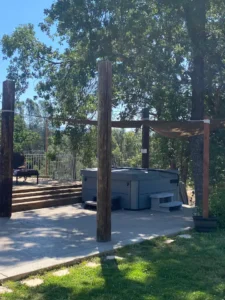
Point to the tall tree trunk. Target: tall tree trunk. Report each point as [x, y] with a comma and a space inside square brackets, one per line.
[195, 14]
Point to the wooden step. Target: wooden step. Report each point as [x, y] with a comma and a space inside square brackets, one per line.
[16, 207]
[44, 197]
[47, 193]
[47, 188]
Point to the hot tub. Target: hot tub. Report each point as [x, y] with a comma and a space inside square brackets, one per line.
[133, 186]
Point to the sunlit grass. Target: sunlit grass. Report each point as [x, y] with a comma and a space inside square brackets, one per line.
[186, 269]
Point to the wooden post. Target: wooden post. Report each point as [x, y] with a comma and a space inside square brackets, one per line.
[145, 140]
[206, 168]
[104, 152]
[6, 170]
[46, 147]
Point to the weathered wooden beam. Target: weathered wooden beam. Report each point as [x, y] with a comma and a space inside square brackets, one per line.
[206, 168]
[46, 148]
[145, 140]
[6, 169]
[104, 152]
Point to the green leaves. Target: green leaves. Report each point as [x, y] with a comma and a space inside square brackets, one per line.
[137, 36]
[147, 41]
[154, 46]
[24, 138]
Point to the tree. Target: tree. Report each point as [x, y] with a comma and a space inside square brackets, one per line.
[24, 138]
[159, 54]
[126, 148]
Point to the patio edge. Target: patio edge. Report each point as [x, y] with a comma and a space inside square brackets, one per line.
[34, 270]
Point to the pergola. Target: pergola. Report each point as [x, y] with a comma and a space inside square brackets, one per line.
[177, 129]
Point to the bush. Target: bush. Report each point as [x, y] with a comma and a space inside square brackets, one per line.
[51, 156]
[217, 204]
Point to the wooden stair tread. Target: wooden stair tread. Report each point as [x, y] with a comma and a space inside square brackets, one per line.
[43, 204]
[14, 204]
[41, 193]
[47, 188]
[28, 198]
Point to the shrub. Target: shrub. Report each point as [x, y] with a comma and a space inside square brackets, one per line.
[217, 204]
[51, 156]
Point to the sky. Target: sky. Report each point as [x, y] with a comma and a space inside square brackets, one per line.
[18, 12]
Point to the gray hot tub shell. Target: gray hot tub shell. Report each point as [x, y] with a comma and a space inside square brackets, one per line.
[134, 186]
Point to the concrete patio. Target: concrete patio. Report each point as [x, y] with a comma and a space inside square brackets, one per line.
[50, 237]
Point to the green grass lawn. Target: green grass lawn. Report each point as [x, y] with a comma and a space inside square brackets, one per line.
[186, 269]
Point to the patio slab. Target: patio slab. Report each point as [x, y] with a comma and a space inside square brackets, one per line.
[44, 239]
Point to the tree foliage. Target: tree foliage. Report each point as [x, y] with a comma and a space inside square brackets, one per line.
[24, 138]
[167, 55]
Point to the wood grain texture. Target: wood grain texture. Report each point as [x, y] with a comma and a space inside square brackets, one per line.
[6, 172]
[104, 152]
[145, 140]
[206, 169]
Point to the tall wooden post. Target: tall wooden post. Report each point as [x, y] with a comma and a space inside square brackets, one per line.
[104, 152]
[145, 140]
[206, 168]
[46, 147]
[6, 169]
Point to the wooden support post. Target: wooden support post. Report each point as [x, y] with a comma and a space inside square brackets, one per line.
[46, 147]
[104, 152]
[6, 169]
[206, 168]
[145, 140]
